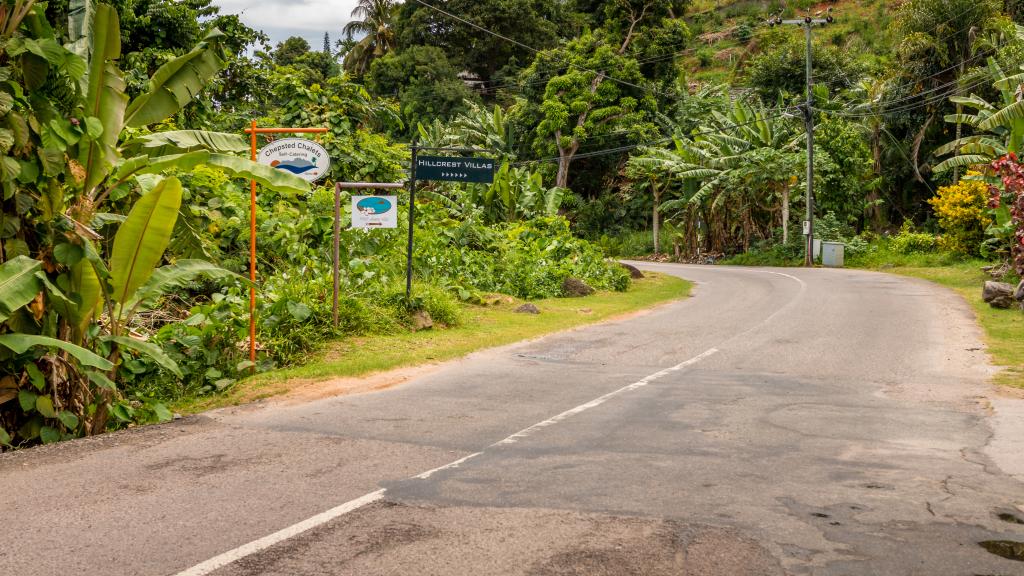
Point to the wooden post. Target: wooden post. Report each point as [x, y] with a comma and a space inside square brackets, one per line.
[337, 251]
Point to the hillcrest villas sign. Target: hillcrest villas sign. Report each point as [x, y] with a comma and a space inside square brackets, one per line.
[303, 158]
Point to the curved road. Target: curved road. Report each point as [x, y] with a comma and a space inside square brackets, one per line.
[819, 422]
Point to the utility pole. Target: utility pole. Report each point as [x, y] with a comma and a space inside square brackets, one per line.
[808, 110]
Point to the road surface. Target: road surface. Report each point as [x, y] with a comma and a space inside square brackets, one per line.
[818, 422]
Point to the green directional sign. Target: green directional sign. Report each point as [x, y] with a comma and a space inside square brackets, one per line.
[450, 169]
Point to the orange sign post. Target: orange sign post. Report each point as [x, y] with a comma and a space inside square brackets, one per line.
[253, 132]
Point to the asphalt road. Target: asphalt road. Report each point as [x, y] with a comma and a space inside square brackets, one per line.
[824, 422]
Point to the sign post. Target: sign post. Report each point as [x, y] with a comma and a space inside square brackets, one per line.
[337, 224]
[253, 131]
[445, 169]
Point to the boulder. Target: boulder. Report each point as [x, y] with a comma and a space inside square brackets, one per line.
[998, 294]
[634, 272]
[421, 320]
[575, 287]
[1018, 294]
[527, 309]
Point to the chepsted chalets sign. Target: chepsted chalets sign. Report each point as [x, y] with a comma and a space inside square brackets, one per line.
[455, 169]
[303, 158]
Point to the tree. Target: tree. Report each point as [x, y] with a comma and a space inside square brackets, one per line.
[534, 23]
[579, 105]
[290, 51]
[778, 72]
[372, 19]
[424, 83]
[935, 43]
[745, 161]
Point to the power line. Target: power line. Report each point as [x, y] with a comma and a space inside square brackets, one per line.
[535, 50]
[663, 140]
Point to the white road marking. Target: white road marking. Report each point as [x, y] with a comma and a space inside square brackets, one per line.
[294, 530]
[261, 544]
[455, 464]
[281, 535]
[601, 400]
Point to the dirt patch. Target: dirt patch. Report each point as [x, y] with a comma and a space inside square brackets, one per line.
[301, 391]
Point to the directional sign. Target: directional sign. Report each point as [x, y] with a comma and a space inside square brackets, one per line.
[455, 169]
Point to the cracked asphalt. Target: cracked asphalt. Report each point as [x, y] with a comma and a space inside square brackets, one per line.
[816, 422]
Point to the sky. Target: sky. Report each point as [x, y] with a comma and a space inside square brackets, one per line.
[283, 18]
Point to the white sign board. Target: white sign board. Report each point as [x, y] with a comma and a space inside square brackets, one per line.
[303, 158]
[375, 212]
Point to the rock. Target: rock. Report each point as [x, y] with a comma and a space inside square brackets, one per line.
[634, 272]
[421, 320]
[575, 287]
[527, 309]
[998, 294]
[1018, 294]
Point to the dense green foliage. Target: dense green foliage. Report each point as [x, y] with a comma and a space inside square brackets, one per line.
[124, 221]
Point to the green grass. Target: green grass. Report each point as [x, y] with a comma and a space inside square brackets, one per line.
[482, 327]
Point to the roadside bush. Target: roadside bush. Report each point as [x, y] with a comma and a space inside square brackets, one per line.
[962, 212]
[910, 242]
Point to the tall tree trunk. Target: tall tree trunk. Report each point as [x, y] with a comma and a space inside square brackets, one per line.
[564, 160]
[655, 218]
[785, 213]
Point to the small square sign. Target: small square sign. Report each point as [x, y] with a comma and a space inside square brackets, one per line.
[374, 212]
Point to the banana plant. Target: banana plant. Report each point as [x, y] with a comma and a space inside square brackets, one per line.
[67, 306]
[998, 126]
[95, 35]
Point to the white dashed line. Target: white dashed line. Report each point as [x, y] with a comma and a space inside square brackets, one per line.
[294, 530]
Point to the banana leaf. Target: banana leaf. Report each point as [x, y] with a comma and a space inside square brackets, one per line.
[105, 98]
[141, 240]
[177, 82]
[20, 343]
[18, 284]
[179, 141]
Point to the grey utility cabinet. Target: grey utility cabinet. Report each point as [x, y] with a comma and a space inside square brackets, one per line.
[832, 254]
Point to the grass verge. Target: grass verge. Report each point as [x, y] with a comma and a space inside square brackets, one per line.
[482, 327]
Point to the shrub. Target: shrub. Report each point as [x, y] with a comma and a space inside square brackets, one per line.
[963, 216]
[705, 57]
[910, 242]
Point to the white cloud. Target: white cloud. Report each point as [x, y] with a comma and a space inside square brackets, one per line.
[282, 18]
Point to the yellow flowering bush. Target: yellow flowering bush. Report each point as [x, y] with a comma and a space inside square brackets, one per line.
[962, 211]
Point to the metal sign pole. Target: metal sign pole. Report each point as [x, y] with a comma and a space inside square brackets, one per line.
[253, 131]
[412, 220]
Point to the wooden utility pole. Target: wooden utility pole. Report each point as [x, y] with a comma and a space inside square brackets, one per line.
[808, 24]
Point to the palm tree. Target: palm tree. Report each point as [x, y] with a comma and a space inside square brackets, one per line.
[372, 19]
